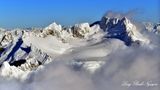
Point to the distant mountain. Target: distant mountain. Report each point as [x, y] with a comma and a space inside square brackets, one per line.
[155, 28]
[121, 28]
[24, 51]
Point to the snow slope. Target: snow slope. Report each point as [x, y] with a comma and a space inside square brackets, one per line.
[82, 46]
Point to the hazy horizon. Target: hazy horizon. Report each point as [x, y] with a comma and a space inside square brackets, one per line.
[40, 13]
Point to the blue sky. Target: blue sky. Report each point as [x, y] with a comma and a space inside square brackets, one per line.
[40, 13]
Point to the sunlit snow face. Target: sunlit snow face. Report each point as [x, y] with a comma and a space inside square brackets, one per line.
[124, 65]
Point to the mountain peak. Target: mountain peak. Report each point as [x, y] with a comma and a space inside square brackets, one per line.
[120, 28]
[54, 26]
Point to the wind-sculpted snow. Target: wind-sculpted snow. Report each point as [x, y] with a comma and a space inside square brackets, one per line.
[105, 55]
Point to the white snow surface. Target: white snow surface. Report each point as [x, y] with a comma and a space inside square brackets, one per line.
[82, 46]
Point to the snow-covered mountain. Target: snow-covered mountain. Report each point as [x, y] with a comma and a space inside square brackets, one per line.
[123, 29]
[83, 46]
[151, 27]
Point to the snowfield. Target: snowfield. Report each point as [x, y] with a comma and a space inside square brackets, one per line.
[98, 56]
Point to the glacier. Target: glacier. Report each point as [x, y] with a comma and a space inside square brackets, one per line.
[83, 47]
